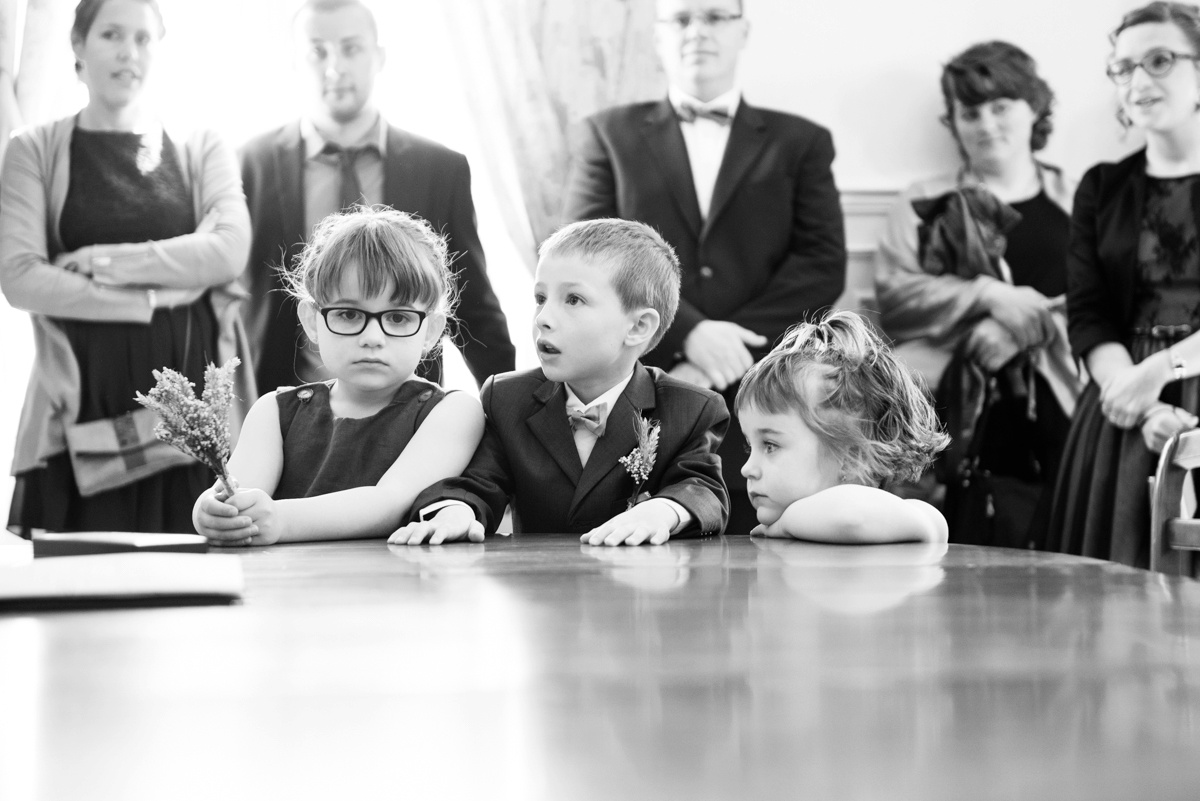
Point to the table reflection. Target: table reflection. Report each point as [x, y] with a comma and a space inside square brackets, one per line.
[546, 669]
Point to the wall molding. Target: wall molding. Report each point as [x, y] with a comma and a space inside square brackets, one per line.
[865, 211]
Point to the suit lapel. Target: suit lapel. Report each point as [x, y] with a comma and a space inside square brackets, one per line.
[289, 170]
[665, 140]
[620, 436]
[549, 425]
[747, 137]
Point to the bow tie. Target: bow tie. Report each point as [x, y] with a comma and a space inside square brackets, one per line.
[688, 112]
[593, 419]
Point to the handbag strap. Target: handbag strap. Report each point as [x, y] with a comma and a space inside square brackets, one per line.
[970, 459]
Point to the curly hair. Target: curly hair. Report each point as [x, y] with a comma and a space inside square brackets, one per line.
[990, 70]
[865, 407]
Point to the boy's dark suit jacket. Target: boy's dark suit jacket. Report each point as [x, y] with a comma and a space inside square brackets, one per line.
[421, 177]
[772, 250]
[528, 452]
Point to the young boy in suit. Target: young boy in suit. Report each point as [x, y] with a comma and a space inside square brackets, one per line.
[606, 291]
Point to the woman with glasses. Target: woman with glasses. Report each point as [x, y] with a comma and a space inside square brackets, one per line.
[122, 241]
[970, 278]
[1134, 291]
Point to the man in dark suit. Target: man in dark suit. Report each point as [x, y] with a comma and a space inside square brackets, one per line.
[745, 196]
[343, 152]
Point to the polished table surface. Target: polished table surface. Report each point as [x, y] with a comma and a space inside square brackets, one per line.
[542, 669]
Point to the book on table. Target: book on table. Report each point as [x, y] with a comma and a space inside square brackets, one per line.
[122, 579]
[77, 543]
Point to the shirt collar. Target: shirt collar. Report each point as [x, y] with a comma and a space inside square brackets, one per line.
[609, 397]
[314, 142]
[728, 102]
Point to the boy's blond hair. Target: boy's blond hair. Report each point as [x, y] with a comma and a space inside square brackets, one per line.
[645, 270]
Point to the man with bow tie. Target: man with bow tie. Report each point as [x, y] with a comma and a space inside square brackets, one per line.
[745, 196]
[343, 152]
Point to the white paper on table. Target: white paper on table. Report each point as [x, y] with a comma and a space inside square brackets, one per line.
[124, 575]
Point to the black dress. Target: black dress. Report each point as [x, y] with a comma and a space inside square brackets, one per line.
[1022, 438]
[323, 453]
[1103, 504]
[124, 187]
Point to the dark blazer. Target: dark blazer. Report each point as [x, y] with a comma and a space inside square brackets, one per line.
[773, 247]
[528, 454]
[1102, 256]
[420, 177]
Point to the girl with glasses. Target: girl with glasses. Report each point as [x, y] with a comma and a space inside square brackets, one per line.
[345, 458]
[1134, 291]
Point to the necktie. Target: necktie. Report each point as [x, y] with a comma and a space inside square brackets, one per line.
[688, 112]
[351, 191]
[593, 419]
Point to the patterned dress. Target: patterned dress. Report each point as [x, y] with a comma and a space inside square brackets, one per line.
[1104, 500]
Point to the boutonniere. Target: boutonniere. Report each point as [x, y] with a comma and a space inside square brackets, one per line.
[640, 460]
[197, 426]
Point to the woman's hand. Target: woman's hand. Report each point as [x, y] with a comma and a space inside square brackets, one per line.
[1163, 422]
[77, 261]
[1024, 312]
[990, 345]
[1130, 392]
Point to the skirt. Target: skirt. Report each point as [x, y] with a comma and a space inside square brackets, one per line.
[115, 361]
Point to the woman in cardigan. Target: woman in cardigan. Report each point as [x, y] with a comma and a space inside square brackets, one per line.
[1134, 291]
[970, 276]
[122, 242]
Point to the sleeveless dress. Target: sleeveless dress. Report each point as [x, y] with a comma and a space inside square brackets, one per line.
[1103, 500]
[323, 453]
[124, 187]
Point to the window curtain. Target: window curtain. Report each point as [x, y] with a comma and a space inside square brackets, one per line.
[533, 70]
[10, 113]
[37, 82]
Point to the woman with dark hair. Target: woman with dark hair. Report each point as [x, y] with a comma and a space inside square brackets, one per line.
[122, 242]
[1133, 295]
[970, 277]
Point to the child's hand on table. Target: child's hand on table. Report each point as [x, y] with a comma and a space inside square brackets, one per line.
[248, 517]
[454, 522]
[649, 522]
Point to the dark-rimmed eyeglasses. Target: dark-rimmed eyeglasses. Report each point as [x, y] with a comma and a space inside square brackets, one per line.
[709, 19]
[1156, 63]
[347, 321]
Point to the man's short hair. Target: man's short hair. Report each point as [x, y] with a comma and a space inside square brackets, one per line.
[645, 270]
[326, 6]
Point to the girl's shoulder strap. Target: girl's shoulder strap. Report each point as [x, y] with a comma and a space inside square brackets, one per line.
[291, 400]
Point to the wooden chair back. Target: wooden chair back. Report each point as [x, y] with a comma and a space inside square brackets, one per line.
[1172, 535]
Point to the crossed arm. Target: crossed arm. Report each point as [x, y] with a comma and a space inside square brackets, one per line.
[111, 282]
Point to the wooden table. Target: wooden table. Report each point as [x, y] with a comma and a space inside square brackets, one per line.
[541, 669]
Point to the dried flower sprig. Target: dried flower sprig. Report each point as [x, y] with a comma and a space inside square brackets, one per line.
[640, 460]
[197, 426]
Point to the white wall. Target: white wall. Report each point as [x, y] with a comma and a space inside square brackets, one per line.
[869, 71]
